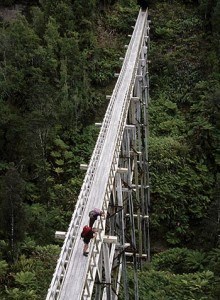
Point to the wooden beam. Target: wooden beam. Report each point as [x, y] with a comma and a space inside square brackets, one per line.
[122, 170]
[98, 124]
[130, 126]
[135, 216]
[135, 152]
[126, 245]
[60, 235]
[137, 254]
[135, 99]
[110, 239]
[83, 167]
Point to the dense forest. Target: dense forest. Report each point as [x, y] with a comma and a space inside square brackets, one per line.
[57, 63]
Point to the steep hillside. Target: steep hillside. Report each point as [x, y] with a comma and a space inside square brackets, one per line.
[183, 125]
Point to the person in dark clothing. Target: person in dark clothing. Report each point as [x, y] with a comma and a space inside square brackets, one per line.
[90, 234]
[93, 215]
[143, 4]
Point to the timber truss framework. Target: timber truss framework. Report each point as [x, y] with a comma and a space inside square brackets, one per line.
[116, 181]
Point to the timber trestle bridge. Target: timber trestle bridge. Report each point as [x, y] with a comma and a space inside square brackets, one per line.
[116, 181]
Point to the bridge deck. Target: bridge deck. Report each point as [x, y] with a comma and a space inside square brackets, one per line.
[75, 276]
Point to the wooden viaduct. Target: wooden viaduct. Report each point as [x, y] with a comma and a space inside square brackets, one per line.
[117, 182]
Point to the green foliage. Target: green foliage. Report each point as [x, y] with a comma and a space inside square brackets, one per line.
[28, 246]
[121, 18]
[164, 32]
[25, 264]
[17, 294]
[166, 119]
[25, 279]
[213, 260]
[183, 111]
[42, 223]
[12, 211]
[32, 275]
[45, 262]
[176, 187]
[165, 285]
[104, 64]
[175, 270]
[3, 268]
[215, 19]
[7, 2]
[179, 261]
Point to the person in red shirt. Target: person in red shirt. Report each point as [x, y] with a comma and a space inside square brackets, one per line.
[87, 234]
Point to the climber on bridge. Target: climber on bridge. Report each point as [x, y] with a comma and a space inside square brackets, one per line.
[93, 215]
[87, 234]
[143, 4]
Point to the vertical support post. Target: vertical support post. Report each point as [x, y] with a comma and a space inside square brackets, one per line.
[107, 271]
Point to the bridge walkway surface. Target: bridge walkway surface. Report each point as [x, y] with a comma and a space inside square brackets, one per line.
[75, 274]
